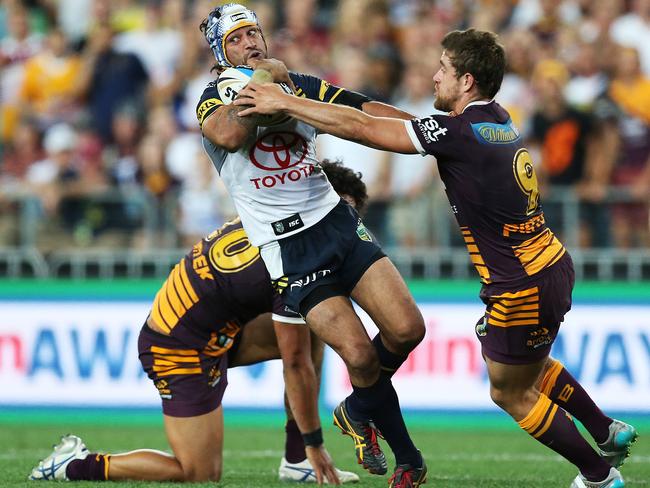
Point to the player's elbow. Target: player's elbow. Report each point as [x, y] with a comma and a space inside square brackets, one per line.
[227, 136]
[230, 140]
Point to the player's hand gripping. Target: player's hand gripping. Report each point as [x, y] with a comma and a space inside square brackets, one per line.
[323, 466]
[260, 99]
[277, 69]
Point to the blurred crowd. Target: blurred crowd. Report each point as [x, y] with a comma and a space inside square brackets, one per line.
[99, 144]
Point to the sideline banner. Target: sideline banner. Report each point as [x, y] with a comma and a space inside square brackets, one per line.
[606, 347]
[85, 353]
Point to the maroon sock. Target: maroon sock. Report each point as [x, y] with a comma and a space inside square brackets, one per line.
[294, 447]
[553, 427]
[93, 468]
[562, 388]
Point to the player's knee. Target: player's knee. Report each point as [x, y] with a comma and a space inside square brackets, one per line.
[499, 397]
[202, 473]
[407, 335]
[509, 400]
[361, 360]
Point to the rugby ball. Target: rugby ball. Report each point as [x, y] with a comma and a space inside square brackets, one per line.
[232, 80]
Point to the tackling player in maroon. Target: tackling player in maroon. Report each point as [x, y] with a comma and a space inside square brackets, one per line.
[527, 274]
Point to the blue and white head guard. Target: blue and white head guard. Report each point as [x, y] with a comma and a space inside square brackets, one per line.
[221, 22]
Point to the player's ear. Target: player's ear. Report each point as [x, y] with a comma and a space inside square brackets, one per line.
[468, 82]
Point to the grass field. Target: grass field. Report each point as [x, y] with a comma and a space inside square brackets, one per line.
[461, 450]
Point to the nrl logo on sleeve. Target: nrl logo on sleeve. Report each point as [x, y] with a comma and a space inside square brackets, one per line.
[431, 129]
[362, 232]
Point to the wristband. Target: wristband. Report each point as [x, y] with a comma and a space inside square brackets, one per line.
[313, 439]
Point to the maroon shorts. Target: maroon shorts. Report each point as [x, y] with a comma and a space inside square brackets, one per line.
[190, 382]
[520, 325]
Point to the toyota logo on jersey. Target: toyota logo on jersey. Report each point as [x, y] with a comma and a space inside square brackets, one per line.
[278, 151]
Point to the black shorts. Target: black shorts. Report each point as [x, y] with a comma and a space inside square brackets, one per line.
[325, 260]
[190, 382]
[520, 326]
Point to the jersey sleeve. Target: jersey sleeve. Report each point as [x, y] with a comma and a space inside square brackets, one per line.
[438, 135]
[316, 88]
[209, 102]
[281, 314]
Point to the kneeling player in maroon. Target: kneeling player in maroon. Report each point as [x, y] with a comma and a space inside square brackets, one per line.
[216, 310]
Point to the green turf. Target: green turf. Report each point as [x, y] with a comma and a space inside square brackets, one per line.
[496, 455]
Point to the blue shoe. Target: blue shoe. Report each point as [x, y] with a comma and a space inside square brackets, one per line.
[617, 446]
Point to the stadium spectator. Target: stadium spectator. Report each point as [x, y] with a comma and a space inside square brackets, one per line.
[22, 151]
[516, 94]
[568, 143]
[625, 113]
[158, 44]
[204, 202]
[65, 186]
[47, 93]
[374, 166]
[588, 81]
[109, 80]
[74, 18]
[412, 177]
[160, 185]
[16, 48]
[633, 30]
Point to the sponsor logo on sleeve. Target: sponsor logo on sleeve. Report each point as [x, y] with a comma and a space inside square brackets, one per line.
[489, 133]
[431, 129]
[205, 107]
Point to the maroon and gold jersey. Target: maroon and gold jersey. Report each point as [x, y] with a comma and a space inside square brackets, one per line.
[215, 289]
[492, 188]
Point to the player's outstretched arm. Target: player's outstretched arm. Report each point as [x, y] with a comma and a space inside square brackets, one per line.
[384, 133]
[301, 385]
[380, 109]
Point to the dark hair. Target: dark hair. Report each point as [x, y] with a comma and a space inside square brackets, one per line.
[479, 54]
[346, 182]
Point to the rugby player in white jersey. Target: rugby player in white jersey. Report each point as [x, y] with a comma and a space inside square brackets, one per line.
[314, 244]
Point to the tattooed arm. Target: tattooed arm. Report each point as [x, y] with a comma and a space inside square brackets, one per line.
[226, 129]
